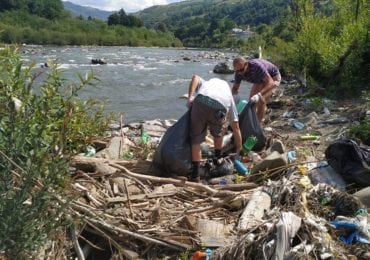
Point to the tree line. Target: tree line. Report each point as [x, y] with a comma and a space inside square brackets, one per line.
[47, 23]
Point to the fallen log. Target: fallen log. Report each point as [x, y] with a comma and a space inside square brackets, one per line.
[254, 211]
[237, 186]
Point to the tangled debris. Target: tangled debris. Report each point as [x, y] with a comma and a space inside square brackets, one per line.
[127, 210]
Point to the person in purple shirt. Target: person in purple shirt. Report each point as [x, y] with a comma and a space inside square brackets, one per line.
[264, 75]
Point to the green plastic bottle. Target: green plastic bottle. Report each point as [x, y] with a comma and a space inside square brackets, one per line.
[248, 144]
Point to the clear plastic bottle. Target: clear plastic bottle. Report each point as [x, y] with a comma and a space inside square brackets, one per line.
[254, 157]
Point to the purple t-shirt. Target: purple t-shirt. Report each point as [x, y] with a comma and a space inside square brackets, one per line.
[257, 69]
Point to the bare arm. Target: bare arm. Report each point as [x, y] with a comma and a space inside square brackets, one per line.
[269, 84]
[235, 88]
[237, 136]
[194, 83]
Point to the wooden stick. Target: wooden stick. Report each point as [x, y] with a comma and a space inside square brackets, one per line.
[122, 137]
[237, 187]
[128, 199]
[76, 245]
[177, 246]
[199, 186]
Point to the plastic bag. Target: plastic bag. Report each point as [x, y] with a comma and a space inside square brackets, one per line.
[327, 175]
[173, 155]
[222, 167]
[250, 126]
[350, 160]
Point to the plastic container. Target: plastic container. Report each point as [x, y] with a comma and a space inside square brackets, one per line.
[248, 144]
[90, 151]
[255, 157]
[309, 137]
[327, 175]
[241, 105]
[297, 124]
[199, 255]
[240, 167]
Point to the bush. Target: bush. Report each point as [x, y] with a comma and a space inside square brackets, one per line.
[38, 134]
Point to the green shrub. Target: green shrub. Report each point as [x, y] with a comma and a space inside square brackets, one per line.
[38, 134]
[362, 131]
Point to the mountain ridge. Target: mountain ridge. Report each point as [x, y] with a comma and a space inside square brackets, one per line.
[86, 11]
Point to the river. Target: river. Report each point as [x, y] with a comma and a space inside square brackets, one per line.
[141, 83]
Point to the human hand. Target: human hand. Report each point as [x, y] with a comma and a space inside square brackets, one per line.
[190, 102]
[235, 90]
[255, 98]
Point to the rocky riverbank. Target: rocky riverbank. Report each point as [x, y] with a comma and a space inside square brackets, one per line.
[129, 210]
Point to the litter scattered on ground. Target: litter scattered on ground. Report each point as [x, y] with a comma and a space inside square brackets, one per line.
[284, 201]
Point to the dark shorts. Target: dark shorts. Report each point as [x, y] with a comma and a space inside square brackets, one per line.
[202, 117]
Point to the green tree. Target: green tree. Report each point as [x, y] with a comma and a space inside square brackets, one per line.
[121, 18]
[12, 5]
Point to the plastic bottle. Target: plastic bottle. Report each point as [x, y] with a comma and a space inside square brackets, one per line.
[248, 144]
[199, 255]
[240, 167]
[144, 137]
[90, 151]
[241, 105]
[255, 157]
[309, 137]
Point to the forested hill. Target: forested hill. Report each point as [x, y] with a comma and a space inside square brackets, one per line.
[207, 22]
[202, 19]
[240, 11]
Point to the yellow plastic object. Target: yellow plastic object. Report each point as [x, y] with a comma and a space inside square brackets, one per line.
[238, 178]
[302, 169]
[309, 137]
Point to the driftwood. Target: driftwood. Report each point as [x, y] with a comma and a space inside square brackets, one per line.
[254, 211]
[172, 244]
[237, 187]
[204, 188]
[117, 202]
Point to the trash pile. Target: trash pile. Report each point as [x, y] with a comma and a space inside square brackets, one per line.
[305, 195]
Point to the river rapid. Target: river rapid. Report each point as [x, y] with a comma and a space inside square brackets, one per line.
[140, 83]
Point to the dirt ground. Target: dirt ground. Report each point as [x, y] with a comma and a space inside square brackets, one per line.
[326, 119]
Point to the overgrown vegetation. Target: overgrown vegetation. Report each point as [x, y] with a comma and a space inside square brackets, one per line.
[38, 134]
[362, 129]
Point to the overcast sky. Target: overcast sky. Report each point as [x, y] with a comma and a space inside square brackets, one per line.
[128, 5]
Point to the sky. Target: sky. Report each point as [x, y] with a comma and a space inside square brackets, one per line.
[128, 5]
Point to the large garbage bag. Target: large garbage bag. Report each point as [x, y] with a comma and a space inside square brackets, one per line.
[250, 125]
[350, 160]
[173, 155]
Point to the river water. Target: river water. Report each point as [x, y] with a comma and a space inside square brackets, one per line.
[141, 83]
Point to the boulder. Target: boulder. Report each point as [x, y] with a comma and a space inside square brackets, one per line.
[98, 61]
[223, 68]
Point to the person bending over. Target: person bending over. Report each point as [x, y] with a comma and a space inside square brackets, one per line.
[264, 75]
[212, 104]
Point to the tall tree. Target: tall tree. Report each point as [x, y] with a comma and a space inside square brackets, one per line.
[121, 18]
[12, 4]
[50, 9]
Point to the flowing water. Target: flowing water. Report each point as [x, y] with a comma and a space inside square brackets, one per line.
[141, 83]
